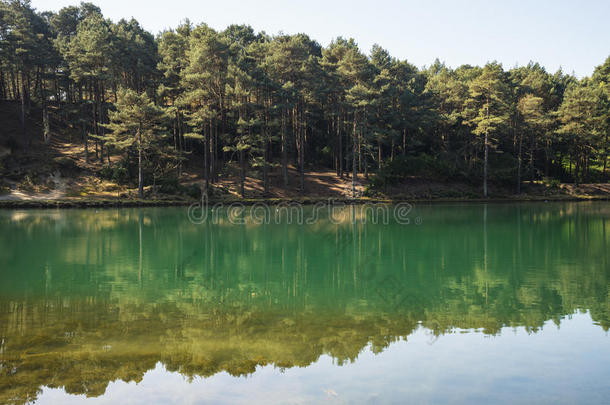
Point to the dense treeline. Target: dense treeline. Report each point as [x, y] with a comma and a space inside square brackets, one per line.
[267, 102]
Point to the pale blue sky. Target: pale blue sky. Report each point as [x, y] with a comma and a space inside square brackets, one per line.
[572, 34]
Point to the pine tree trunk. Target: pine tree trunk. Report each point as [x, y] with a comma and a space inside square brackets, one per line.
[175, 133]
[37, 84]
[14, 80]
[577, 169]
[547, 158]
[206, 164]
[140, 174]
[100, 118]
[588, 166]
[302, 159]
[606, 158]
[340, 137]
[531, 161]
[519, 160]
[359, 154]
[180, 144]
[486, 154]
[333, 132]
[86, 142]
[485, 168]
[266, 169]
[56, 90]
[23, 108]
[295, 136]
[2, 86]
[94, 118]
[213, 148]
[45, 125]
[242, 176]
[284, 148]
[28, 97]
[354, 150]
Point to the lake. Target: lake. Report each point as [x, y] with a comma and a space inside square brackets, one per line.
[451, 303]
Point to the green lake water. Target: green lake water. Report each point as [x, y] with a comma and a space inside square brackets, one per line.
[498, 303]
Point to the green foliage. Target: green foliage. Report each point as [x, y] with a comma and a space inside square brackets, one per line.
[551, 183]
[172, 186]
[117, 173]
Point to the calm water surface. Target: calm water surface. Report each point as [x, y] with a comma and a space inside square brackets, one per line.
[466, 304]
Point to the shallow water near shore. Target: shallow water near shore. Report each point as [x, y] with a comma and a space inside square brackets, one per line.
[461, 303]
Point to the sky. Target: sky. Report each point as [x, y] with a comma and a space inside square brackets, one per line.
[553, 365]
[573, 35]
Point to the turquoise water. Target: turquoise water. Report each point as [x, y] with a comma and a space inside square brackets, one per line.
[462, 304]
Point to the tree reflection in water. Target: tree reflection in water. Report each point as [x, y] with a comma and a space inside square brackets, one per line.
[88, 297]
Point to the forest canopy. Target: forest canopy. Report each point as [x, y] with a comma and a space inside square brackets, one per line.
[264, 103]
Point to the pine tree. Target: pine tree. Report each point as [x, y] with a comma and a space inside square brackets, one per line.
[136, 122]
[531, 109]
[601, 81]
[581, 124]
[487, 109]
[90, 55]
[173, 60]
[204, 79]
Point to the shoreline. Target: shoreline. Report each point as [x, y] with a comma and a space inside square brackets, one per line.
[136, 203]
